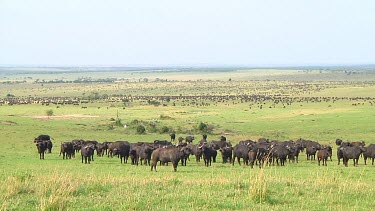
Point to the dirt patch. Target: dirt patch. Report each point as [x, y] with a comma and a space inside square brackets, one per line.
[8, 123]
[66, 116]
[304, 112]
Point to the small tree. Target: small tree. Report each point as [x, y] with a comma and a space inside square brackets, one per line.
[49, 113]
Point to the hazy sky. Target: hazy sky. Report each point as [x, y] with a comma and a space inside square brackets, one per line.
[193, 32]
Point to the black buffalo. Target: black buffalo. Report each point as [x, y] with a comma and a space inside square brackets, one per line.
[226, 154]
[189, 139]
[241, 151]
[173, 137]
[369, 153]
[41, 146]
[352, 153]
[87, 153]
[168, 154]
[121, 149]
[209, 154]
[67, 150]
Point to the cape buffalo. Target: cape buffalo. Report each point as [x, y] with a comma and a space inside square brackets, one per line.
[87, 153]
[41, 146]
[369, 153]
[323, 155]
[352, 153]
[241, 151]
[169, 154]
[67, 150]
[120, 148]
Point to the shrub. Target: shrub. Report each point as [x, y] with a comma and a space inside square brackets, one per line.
[202, 127]
[141, 129]
[164, 129]
[49, 112]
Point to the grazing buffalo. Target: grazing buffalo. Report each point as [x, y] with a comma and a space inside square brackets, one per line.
[352, 153]
[220, 144]
[204, 137]
[67, 150]
[311, 152]
[77, 144]
[168, 154]
[186, 151]
[357, 144]
[173, 137]
[323, 155]
[196, 151]
[226, 154]
[253, 153]
[209, 154]
[189, 139]
[369, 153]
[47, 140]
[280, 152]
[159, 143]
[121, 149]
[145, 153]
[241, 151]
[42, 138]
[41, 146]
[87, 153]
[100, 148]
[106, 144]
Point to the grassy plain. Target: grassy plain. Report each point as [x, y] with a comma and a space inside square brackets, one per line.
[27, 183]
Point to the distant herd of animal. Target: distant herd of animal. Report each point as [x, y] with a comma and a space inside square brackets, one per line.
[261, 152]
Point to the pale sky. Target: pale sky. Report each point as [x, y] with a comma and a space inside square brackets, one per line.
[192, 32]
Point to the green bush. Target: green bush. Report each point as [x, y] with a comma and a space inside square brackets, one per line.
[141, 129]
[164, 129]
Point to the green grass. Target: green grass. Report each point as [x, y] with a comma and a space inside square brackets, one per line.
[27, 183]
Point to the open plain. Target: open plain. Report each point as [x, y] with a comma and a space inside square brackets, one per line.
[109, 104]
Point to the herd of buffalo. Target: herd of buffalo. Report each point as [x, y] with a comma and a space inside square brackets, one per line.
[261, 152]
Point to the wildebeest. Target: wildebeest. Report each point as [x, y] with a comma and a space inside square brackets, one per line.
[168, 154]
[67, 150]
[87, 152]
[352, 153]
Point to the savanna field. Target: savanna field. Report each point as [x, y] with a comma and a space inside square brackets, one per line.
[93, 104]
